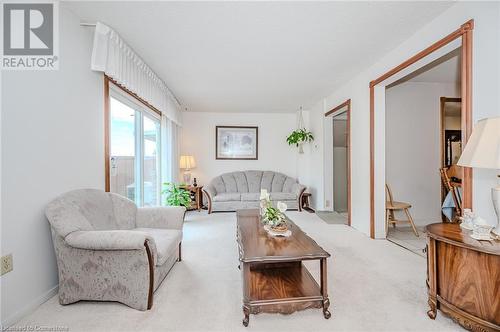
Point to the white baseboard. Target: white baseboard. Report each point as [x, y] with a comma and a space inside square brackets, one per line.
[13, 319]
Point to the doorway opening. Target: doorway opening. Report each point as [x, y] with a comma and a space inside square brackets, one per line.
[340, 170]
[460, 38]
[422, 136]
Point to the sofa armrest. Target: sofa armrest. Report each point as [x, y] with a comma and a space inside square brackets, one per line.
[298, 189]
[166, 217]
[128, 249]
[108, 240]
[210, 191]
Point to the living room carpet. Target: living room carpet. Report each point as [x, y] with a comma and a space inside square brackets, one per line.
[373, 286]
[333, 218]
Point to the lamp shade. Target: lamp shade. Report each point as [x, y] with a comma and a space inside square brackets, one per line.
[187, 162]
[483, 147]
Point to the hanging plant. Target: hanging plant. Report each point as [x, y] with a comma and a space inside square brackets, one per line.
[300, 136]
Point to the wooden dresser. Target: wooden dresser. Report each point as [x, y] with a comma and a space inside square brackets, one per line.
[463, 277]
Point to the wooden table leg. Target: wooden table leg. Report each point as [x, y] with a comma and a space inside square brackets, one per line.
[246, 313]
[245, 272]
[431, 275]
[324, 289]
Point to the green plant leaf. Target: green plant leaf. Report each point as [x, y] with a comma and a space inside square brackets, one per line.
[176, 195]
[299, 136]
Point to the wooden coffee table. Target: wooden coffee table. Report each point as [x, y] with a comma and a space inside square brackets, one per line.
[274, 278]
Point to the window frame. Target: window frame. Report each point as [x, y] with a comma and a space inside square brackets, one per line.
[112, 89]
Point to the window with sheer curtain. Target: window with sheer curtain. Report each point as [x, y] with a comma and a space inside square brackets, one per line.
[135, 151]
[143, 120]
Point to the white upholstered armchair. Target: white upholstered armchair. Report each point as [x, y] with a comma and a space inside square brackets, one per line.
[107, 249]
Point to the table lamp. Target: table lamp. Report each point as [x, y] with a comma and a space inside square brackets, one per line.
[187, 163]
[483, 151]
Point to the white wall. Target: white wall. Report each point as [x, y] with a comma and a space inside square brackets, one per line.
[198, 139]
[339, 179]
[52, 142]
[412, 145]
[486, 70]
[310, 164]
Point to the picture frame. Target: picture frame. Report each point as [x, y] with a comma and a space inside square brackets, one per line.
[236, 143]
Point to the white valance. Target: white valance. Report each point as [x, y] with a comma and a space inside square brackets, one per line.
[117, 60]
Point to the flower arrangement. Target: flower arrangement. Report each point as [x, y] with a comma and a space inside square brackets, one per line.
[272, 216]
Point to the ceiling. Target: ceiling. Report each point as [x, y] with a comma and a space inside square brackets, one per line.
[445, 69]
[258, 56]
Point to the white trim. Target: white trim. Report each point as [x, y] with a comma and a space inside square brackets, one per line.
[31, 307]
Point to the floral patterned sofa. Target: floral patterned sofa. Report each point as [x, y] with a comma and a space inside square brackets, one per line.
[107, 249]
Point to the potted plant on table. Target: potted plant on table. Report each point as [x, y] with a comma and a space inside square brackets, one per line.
[176, 195]
[298, 137]
[273, 217]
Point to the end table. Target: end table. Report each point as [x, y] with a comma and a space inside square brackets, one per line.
[196, 197]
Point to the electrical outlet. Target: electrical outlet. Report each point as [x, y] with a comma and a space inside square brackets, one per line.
[327, 203]
[7, 264]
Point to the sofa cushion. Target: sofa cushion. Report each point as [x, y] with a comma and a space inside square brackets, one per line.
[219, 185]
[227, 197]
[96, 206]
[289, 185]
[125, 211]
[278, 181]
[267, 180]
[254, 179]
[229, 183]
[166, 241]
[250, 197]
[283, 196]
[241, 182]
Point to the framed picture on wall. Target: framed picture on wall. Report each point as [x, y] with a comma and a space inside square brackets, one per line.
[236, 142]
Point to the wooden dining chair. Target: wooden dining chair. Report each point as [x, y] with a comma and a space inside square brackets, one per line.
[391, 206]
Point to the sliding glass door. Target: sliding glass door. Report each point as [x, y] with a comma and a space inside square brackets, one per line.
[151, 161]
[134, 170]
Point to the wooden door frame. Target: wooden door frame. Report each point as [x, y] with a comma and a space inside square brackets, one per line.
[465, 33]
[347, 104]
[107, 123]
[107, 145]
